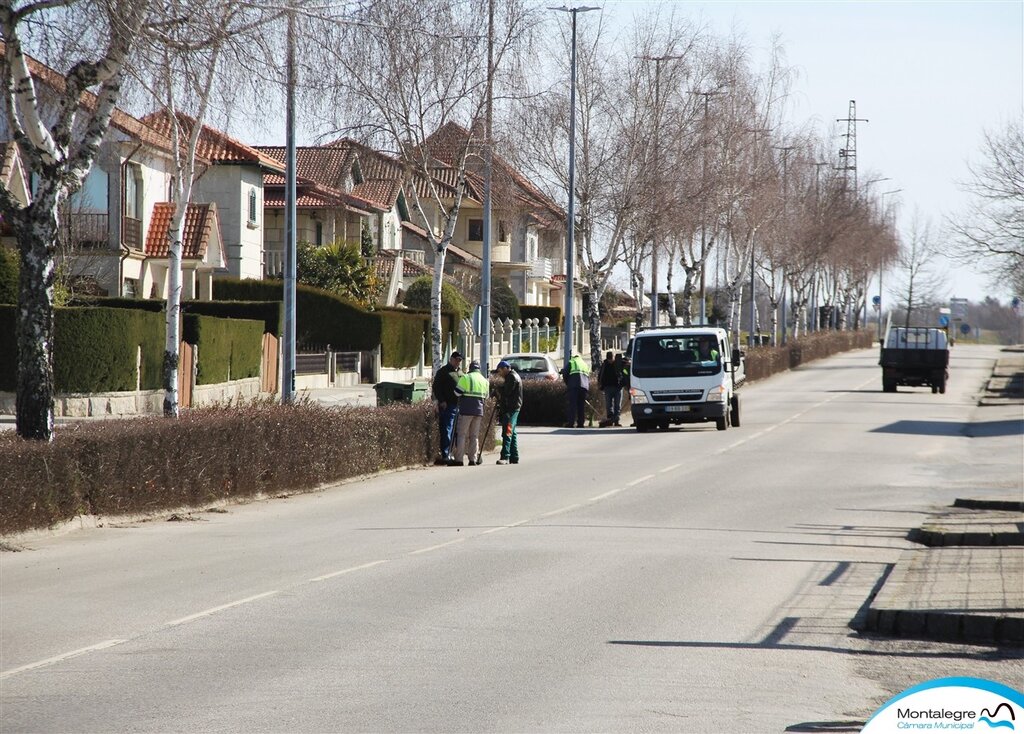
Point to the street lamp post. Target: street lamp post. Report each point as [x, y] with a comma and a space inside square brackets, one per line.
[570, 253]
[881, 266]
[657, 160]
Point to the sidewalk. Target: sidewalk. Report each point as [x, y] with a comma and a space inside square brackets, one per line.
[966, 584]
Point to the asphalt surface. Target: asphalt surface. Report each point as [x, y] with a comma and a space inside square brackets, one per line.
[691, 580]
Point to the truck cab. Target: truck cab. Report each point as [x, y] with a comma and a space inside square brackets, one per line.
[684, 375]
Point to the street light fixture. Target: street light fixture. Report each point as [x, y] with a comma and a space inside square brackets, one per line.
[570, 254]
[658, 60]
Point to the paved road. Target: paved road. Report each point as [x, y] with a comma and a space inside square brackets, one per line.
[692, 581]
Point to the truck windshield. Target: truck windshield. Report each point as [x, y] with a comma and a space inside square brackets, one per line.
[676, 356]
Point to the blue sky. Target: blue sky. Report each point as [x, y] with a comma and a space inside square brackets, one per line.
[929, 77]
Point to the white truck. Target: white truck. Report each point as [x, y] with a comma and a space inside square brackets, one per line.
[684, 375]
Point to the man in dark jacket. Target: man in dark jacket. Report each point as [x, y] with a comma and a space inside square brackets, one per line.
[510, 402]
[443, 389]
[610, 380]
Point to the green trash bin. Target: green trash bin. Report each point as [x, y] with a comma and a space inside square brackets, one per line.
[393, 392]
[401, 392]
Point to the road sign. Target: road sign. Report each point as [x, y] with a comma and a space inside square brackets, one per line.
[959, 308]
[965, 329]
[943, 320]
[877, 300]
[1015, 304]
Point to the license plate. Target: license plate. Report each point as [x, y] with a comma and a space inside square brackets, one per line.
[677, 409]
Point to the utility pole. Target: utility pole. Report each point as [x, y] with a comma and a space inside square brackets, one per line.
[288, 350]
[753, 248]
[657, 180]
[570, 252]
[785, 149]
[485, 280]
[817, 219]
[704, 207]
[848, 155]
[881, 265]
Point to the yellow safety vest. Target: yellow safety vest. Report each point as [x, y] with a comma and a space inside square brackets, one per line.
[577, 366]
[473, 385]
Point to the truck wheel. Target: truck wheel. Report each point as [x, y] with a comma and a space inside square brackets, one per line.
[942, 386]
[734, 414]
[723, 423]
[662, 425]
[642, 426]
[888, 385]
[935, 389]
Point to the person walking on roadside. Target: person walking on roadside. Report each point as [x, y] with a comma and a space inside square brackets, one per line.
[472, 390]
[610, 381]
[510, 402]
[443, 390]
[577, 385]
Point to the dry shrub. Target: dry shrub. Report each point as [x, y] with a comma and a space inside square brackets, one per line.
[152, 464]
[766, 361]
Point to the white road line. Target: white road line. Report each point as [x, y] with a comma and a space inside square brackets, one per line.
[641, 479]
[435, 547]
[347, 570]
[505, 527]
[59, 658]
[606, 495]
[561, 510]
[669, 468]
[221, 608]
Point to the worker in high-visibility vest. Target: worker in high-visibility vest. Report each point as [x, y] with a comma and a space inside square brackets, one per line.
[577, 385]
[472, 390]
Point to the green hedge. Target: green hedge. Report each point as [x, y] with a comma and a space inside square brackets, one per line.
[228, 349]
[554, 314]
[320, 317]
[9, 265]
[95, 349]
[271, 313]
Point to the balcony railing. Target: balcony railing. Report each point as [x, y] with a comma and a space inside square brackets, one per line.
[545, 267]
[88, 230]
[273, 263]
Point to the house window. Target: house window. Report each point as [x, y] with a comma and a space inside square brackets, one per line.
[319, 234]
[502, 231]
[252, 206]
[130, 288]
[476, 230]
[133, 191]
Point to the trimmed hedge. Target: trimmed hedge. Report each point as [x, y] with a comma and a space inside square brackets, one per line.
[9, 268]
[95, 349]
[271, 313]
[228, 349]
[207, 455]
[320, 316]
[554, 314]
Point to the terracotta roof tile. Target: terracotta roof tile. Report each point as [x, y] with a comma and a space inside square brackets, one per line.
[213, 145]
[200, 221]
[326, 166]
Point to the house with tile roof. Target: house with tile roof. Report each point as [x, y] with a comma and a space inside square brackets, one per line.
[202, 250]
[233, 180]
[528, 228]
[15, 181]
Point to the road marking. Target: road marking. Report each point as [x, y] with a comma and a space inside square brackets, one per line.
[221, 608]
[59, 658]
[641, 479]
[435, 547]
[504, 527]
[562, 509]
[669, 468]
[606, 495]
[347, 570]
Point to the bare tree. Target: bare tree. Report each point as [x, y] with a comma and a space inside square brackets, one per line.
[992, 226]
[58, 139]
[400, 75]
[918, 277]
[189, 48]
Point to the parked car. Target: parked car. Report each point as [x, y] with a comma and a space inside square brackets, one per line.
[533, 366]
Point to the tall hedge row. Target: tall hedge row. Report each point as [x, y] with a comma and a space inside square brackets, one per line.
[320, 316]
[9, 267]
[271, 313]
[553, 313]
[228, 349]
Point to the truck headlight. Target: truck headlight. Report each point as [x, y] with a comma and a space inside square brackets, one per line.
[637, 397]
[717, 394]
